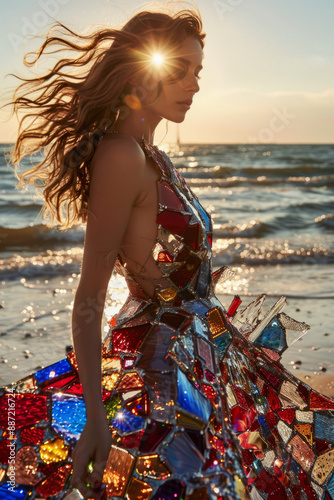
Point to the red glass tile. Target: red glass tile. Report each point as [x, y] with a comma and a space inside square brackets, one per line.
[192, 236]
[234, 306]
[47, 469]
[59, 383]
[268, 484]
[244, 400]
[319, 402]
[209, 235]
[211, 461]
[4, 450]
[305, 485]
[321, 446]
[271, 419]
[139, 406]
[255, 426]
[183, 255]
[78, 391]
[251, 376]
[287, 415]
[54, 484]
[274, 401]
[173, 320]
[269, 377]
[210, 376]
[224, 372]
[241, 419]
[209, 392]
[112, 322]
[304, 392]
[272, 354]
[132, 440]
[217, 443]
[184, 274]
[155, 432]
[128, 361]
[169, 198]
[198, 369]
[129, 339]
[173, 221]
[164, 257]
[32, 435]
[29, 409]
[72, 360]
[130, 381]
[248, 457]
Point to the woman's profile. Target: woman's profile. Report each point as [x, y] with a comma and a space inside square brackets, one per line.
[184, 398]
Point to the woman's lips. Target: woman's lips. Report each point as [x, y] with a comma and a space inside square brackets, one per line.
[186, 105]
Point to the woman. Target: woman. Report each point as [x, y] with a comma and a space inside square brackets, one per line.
[187, 398]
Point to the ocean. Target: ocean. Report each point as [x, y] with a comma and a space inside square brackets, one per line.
[273, 213]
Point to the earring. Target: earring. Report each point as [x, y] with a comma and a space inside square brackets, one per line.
[132, 101]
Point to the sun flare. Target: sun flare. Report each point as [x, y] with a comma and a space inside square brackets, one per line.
[158, 59]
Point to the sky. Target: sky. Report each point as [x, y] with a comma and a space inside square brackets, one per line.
[268, 67]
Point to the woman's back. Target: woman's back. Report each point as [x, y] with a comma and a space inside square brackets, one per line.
[135, 253]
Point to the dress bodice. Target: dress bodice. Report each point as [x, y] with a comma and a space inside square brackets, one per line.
[182, 250]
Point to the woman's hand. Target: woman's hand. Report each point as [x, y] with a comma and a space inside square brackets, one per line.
[93, 445]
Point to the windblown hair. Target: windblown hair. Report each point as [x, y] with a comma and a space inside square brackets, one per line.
[68, 109]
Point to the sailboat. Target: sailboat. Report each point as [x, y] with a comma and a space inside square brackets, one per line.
[178, 141]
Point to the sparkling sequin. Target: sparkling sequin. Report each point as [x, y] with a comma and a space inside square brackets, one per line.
[152, 467]
[53, 450]
[118, 469]
[138, 490]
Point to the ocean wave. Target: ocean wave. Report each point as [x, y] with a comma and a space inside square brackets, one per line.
[320, 180]
[38, 237]
[231, 253]
[326, 221]
[251, 255]
[251, 229]
[48, 264]
[222, 171]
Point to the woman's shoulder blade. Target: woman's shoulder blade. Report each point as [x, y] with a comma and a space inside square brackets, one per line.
[118, 155]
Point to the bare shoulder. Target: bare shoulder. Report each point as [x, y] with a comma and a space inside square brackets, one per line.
[118, 156]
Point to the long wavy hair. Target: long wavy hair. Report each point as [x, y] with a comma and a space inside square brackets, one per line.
[68, 109]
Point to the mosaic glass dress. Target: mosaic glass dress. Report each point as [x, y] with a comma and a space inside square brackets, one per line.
[199, 405]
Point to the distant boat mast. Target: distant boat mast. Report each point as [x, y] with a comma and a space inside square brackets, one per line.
[178, 141]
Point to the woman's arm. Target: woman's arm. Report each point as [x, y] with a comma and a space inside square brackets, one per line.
[115, 186]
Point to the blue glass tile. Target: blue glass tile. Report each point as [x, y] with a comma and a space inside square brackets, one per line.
[125, 421]
[264, 426]
[324, 427]
[204, 279]
[203, 214]
[272, 336]
[257, 465]
[330, 487]
[200, 327]
[294, 467]
[190, 398]
[222, 341]
[68, 414]
[51, 371]
[182, 456]
[19, 493]
[198, 308]
[173, 489]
